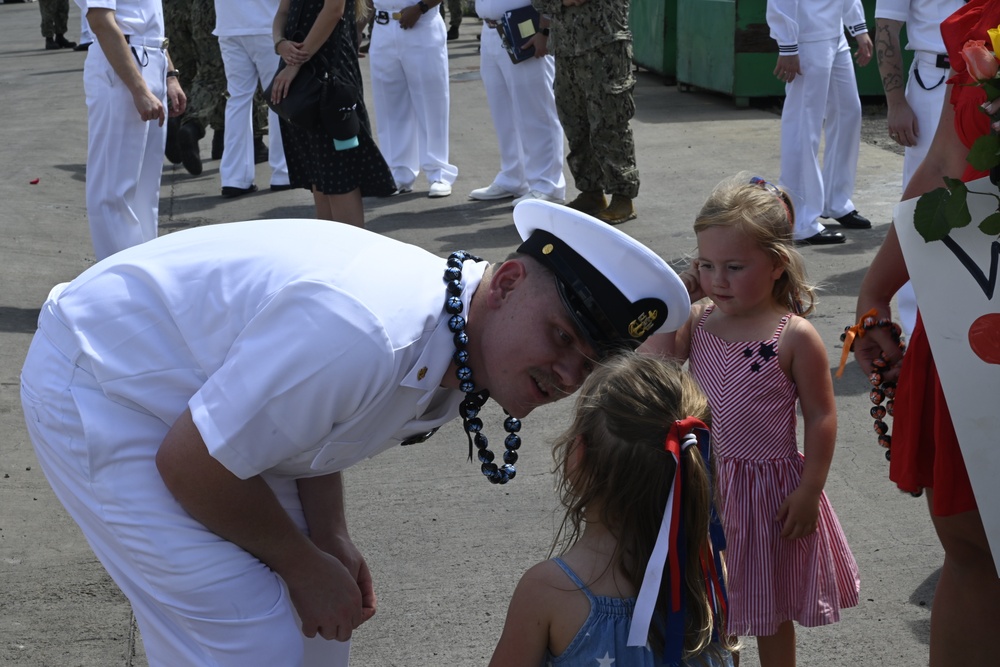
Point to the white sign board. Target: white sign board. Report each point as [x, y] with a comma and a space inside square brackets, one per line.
[960, 308]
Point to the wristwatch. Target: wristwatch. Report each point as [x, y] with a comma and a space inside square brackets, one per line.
[545, 31]
[424, 7]
[173, 73]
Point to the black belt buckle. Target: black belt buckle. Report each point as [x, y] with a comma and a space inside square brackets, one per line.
[942, 61]
[382, 18]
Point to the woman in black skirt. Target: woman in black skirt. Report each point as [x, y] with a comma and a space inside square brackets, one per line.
[324, 31]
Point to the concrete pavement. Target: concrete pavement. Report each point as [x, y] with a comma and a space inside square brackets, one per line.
[445, 547]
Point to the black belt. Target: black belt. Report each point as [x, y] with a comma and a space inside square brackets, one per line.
[942, 61]
[382, 17]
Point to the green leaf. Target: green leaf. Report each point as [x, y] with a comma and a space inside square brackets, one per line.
[930, 218]
[985, 152]
[991, 224]
[956, 207]
[992, 88]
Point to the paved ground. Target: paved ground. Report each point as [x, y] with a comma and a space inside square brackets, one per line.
[446, 548]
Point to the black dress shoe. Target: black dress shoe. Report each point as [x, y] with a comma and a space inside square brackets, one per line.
[854, 220]
[83, 46]
[229, 191]
[825, 237]
[187, 141]
[281, 188]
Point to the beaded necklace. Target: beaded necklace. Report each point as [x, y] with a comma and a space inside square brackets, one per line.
[469, 408]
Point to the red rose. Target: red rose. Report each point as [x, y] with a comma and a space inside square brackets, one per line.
[982, 64]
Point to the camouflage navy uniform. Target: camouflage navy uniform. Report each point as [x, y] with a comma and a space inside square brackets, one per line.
[195, 53]
[592, 45]
[55, 17]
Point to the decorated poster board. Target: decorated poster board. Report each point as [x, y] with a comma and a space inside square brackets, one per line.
[955, 281]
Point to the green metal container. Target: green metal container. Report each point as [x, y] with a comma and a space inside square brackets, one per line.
[654, 35]
[725, 46]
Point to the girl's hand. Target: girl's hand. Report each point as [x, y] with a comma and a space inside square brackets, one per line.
[291, 52]
[282, 82]
[799, 514]
[692, 281]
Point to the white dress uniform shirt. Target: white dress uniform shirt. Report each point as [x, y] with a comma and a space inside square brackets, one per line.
[299, 354]
[523, 107]
[124, 152]
[245, 40]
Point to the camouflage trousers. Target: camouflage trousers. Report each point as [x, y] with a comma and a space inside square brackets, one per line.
[595, 104]
[456, 8]
[55, 17]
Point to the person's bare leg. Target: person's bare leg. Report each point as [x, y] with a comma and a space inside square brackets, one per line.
[967, 598]
[347, 208]
[778, 650]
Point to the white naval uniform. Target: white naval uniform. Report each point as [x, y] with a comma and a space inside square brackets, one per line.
[244, 31]
[523, 107]
[925, 91]
[270, 332]
[409, 72]
[822, 101]
[124, 152]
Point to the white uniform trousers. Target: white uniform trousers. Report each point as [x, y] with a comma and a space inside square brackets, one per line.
[409, 71]
[198, 599]
[124, 153]
[523, 107]
[248, 59]
[926, 105]
[823, 100]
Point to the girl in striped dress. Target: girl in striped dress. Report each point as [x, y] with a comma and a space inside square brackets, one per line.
[754, 356]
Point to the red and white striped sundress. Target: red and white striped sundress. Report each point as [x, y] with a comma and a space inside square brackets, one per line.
[770, 579]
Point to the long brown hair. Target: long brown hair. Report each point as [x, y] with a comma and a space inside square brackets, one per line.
[623, 414]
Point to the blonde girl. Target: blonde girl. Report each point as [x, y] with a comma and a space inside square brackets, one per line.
[617, 466]
[756, 357]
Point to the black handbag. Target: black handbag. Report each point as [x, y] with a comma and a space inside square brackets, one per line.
[303, 104]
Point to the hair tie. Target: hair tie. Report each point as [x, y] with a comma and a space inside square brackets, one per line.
[666, 550]
[776, 191]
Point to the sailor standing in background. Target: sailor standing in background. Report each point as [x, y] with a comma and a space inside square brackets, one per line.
[409, 71]
[523, 106]
[821, 98]
[130, 85]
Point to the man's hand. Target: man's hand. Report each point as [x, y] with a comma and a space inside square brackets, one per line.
[787, 68]
[326, 597]
[540, 42]
[903, 124]
[409, 16]
[347, 553]
[865, 48]
[176, 99]
[148, 106]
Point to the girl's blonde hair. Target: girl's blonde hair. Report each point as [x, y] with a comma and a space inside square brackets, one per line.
[763, 212]
[623, 414]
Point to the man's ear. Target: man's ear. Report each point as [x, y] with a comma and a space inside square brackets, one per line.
[505, 280]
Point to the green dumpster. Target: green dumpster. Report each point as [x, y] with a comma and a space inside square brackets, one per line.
[654, 35]
[725, 46]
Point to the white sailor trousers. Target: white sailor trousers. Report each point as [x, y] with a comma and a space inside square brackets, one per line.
[926, 105]
[248, 59]
[523, 106]
[124, 153]
[822, 101]
[198, 599]
[409, 72]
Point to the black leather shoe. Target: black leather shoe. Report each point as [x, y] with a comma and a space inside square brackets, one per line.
[453, 33]
[172, 150]
[825, 237]
[51, 44]
[854, 220]
[282, 187]
[65, 43]
[83, 46]
[229, 191]
[187, 143]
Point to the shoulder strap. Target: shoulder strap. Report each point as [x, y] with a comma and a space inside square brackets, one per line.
[573, 577]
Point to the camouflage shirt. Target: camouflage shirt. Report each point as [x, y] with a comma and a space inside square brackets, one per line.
[578, 29]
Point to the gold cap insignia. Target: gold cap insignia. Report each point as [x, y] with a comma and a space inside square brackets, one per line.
[638, 327]
[547, 249]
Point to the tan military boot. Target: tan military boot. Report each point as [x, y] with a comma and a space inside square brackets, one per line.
[620, 210]
[590, 203]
